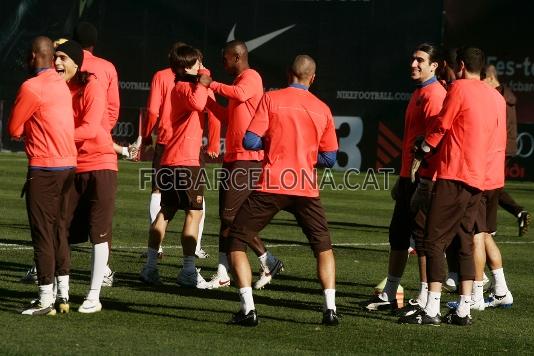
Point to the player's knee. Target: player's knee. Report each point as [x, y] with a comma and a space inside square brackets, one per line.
[235, 244]
[320, 244]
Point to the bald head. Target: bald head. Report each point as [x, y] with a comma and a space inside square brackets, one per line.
[42, 53]
[237, 47]
[235, 56]
[303, 69]
[43, 47]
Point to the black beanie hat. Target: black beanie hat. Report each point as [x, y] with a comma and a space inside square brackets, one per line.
[73, 50]
[86, 34]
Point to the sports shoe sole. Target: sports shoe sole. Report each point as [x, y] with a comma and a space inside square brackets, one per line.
[96, 309]
[50, 312]
[279, 267]
[63, 308]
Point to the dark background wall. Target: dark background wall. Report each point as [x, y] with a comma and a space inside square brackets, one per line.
[362, 48]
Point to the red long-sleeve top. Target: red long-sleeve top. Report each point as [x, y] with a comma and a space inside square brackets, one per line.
[92, 136]
[295, 125]
[188, 101]
[496, 155]
[463, 130]
[424, 106]
[159, 104]
[42, 114]
[243, 95]
[106, 74]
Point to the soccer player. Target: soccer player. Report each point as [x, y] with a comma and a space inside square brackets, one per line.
[42, 116]
[92, 200]
[87, 35]
[297, 132]
[243, 98]
[180, 167]
[464, 131]
[485, 248]
[131, 151]
[412, 198]
[505, 200]
[158, 112]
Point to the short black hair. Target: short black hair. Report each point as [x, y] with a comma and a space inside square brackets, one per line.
[473, 58]
[435, 53]
[183, 57]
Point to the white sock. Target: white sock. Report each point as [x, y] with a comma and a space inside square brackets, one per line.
[46, 296]
[263, 260]
[222, 268]
[433, 304]
[54, 288]
[478, 290]
[390, 289]
[151, 258]
[63, 286]
[247, 302]
[329, 299]
[423, 294]
[464, 306]
[189, 264]
[99, 262]
[201, 226]
[155, 206]
[500, 282]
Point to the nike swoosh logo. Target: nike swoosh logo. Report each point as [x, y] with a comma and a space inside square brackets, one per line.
[258, 41]
[102, 235]
[221, 283]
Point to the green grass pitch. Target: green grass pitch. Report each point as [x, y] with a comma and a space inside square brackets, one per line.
[137, 319]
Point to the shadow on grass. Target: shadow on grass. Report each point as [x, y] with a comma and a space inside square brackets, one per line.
[334, 225]
[15, 226]
[14, 301]
[25, 242]
[304, 242]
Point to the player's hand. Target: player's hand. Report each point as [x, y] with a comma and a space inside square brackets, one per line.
[420, 149]
[205, 80]
[416, 163]
[212, 154]
[421, 197]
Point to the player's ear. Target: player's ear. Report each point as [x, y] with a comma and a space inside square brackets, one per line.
[312, 79]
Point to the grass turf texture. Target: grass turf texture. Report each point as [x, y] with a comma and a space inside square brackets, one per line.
[137, 319]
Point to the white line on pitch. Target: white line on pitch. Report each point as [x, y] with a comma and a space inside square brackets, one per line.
[11, 247]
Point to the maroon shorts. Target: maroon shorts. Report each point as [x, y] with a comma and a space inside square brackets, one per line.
[260, 208]
[453, 211]
[487, 213]
[47, 205]
[235, 187]
[156, 163]
[181, 188]
[93, 203]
